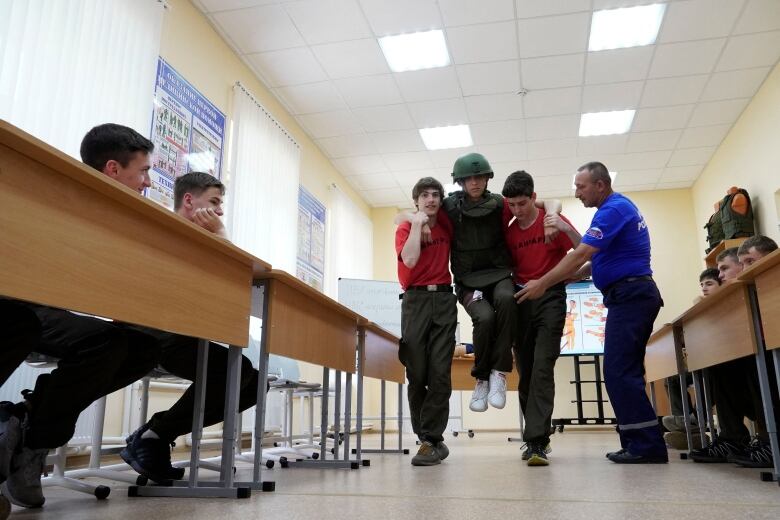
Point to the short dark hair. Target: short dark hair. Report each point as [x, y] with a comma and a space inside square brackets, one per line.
[763, 245]
[730, 252]
[424, 184]
[710, 274]
[195, 183]
[598, 172]
[518, 184]
[112, 142]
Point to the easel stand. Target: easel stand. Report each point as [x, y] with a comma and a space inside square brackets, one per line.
[578, 383]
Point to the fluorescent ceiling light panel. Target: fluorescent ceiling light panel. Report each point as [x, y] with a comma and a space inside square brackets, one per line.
[628, 27]
[612, 175]
[606, 123]
[444, 137]
[415, 51]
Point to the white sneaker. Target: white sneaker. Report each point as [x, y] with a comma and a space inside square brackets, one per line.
[497, 394]
[479, 399]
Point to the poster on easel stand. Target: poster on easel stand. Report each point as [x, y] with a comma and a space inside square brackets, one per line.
[188, 133]
[586, 318]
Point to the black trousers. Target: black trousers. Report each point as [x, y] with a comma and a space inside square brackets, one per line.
[178, 355]
[96, 357]
[21, 332]
[493, 318]
[540, 326]
[736, 395]
[428, 321]
[672, 385]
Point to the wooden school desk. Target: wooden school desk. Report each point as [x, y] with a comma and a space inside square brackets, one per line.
[660, 363]
[73, 238]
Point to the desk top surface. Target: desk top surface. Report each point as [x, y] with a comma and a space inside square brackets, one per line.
[728, 291]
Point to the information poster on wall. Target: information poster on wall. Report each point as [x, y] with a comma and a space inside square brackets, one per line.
[311, 239]
[187, 131]
[586, 317]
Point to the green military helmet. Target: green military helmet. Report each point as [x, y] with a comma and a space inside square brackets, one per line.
[470, 165]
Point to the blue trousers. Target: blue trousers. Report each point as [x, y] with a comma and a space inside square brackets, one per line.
[632, 309]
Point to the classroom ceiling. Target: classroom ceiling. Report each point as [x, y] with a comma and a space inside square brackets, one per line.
[322, 60]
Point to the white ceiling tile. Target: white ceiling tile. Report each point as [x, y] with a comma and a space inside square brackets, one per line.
[360, 164]
[497, 132]
[718, 112]
[330, 124]
[447, 158]
[673, 185]
[398, 141]
[545, 184]
[556, 127]
[369, 91]
[373, 181]
[497, 41]
[552, 102]
[513, 153]
[641, 187]
[639, 160]
[288, 67]
[407, 161]
[627, 178]
[312, 97]
[443, 112]
[556, 166]
[611, 96]
[703, 136]
[685, 58]
[599, 5]
[662, 118]
[734, 84]
[324, 21]
[385, 197]
[467, 12]
[384, 118]
[401, 16]
[602, 145]
[552, 148]
[552, 35]
[699, 19]
[351, 58]
[535, 8]
[618, 65]
[553, 71]
[759, 16]
[259, 29]
[752, 50]
[691, 156]
[347, 145]
[651, 141]
[425, 85]
[681, 173]
[407, 179]
[211, 6]
[489, 78]
[673, 91]
[500, 107]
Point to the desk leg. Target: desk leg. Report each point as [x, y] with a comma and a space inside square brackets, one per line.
[347, 415]
[197, 416]
[686, 412]
[231, 413]
[382, 413]
[708, 404]
[763, 383]
[324, 413]
[262, 392]
[700, 416]
[652, 397]
[359, 439]
[400, 416]
[337, 416]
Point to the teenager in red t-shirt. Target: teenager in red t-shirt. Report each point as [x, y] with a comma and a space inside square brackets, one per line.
[540, 322]
[428, 319]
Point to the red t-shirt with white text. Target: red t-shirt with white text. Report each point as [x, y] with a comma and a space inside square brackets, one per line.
[433, 267]
[531, 257]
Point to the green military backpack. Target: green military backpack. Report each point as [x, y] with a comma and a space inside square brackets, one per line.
[733, 219]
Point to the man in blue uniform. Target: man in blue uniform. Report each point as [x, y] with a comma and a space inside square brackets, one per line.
[618, 245]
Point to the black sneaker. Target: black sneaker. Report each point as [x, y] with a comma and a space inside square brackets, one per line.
[758, 455]
[443, 450]
[527, 451]
[11, 419]
[150, 457]
[537, 455]
[718, 451]
[426, 455]
[611, 454]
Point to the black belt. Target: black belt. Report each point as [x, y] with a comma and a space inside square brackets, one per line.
[628, 279]
[428, 288]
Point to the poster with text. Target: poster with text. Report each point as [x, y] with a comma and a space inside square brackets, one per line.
[311, 239]
[188, 132]
[586, 317]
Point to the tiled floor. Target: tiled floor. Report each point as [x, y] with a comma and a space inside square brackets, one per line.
[483, 478]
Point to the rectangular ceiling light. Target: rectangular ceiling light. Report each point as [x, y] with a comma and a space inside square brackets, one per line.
[415, 51]
[628, 27]
[606, 123]
[444, 137]
[612, 175]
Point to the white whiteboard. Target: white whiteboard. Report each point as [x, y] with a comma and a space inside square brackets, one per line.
[373, 299]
